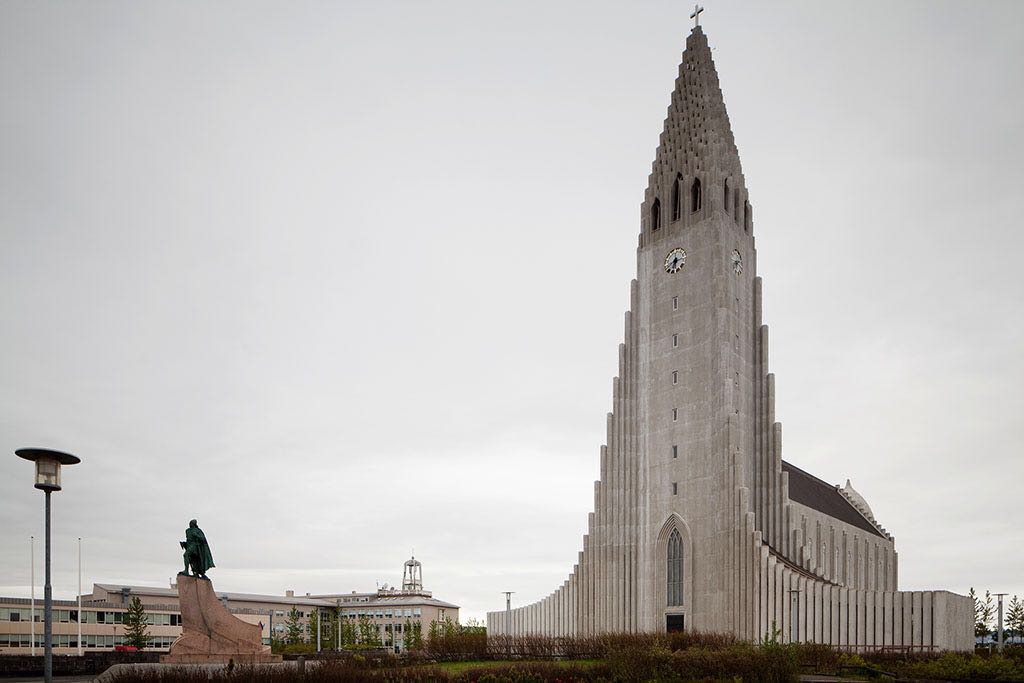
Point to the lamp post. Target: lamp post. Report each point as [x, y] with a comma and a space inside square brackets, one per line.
[79, 596]
[32, 541]
[48, 464]
[508, 620]
[999, 628]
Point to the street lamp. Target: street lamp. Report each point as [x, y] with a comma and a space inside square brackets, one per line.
[999, 631]
[48, 465]
[508, 620]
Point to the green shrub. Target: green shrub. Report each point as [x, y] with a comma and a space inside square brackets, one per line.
[816, 657]
[648, 663]
[741, 660]
[955, 666]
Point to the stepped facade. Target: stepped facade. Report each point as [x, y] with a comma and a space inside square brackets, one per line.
[698, 522]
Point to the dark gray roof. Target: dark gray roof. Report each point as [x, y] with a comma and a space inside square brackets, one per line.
[807, 489]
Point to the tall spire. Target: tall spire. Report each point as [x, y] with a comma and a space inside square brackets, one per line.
[697, 140]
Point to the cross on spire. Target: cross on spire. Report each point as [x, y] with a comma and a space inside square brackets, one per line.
[697, 9]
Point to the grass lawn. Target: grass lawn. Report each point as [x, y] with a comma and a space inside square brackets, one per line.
[459, 667]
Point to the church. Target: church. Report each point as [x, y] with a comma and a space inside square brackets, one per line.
[698, 522]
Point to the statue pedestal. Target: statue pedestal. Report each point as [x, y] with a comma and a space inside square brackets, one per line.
[210, 634]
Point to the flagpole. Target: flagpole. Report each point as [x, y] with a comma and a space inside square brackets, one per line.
[32, 542]
[79, 596]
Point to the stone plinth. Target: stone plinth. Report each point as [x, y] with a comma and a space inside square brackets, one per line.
[210, 634]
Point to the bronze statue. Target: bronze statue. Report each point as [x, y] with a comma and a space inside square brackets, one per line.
[197, 551]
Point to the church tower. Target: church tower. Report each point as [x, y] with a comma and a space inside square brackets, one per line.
[698, 523]
[695, 348]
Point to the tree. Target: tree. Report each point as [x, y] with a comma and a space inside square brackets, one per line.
[312, 624]
[136, 625]
[1015, 617]
[369, 634]
[348, 633]
[474, 626]
[983, 610]
[412, 636]
[988, 612]
[331, 631]
[293, 628]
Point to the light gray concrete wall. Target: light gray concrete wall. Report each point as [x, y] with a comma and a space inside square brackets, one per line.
[867, 568]
[693, 373]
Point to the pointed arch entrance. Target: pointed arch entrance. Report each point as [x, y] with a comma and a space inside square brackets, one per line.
[674, 574]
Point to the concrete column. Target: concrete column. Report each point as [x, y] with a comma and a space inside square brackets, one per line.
[927, 615]
[908, 618]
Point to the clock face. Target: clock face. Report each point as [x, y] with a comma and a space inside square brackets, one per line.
[675, 260]
[737, 262]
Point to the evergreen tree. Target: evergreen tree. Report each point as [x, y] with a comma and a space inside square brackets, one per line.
[981, 614]
[348, 633]
[369, 634]
[412, 636]
[293, 628]
[331, 632]
[988, 612]
[1015, 617]
[312, 624]
[136, 625]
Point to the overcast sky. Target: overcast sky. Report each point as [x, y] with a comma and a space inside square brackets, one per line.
[345, 279]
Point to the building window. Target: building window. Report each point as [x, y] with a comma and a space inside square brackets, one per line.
[675, 377]
[695, 197]
[675, 569]
[725, 195]
[675, 340]
[675, 303]
[676, 200]
[675, 489]
[675, 414]
[675, 452]
[655, 214]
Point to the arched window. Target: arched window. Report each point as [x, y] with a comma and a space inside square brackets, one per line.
[725, 195]
[677, 209]
[655, 214]
[746, 216]
[695, 195]
[675, 569]
[736, 204]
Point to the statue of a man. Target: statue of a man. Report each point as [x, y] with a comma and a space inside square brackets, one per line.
[197, 551]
